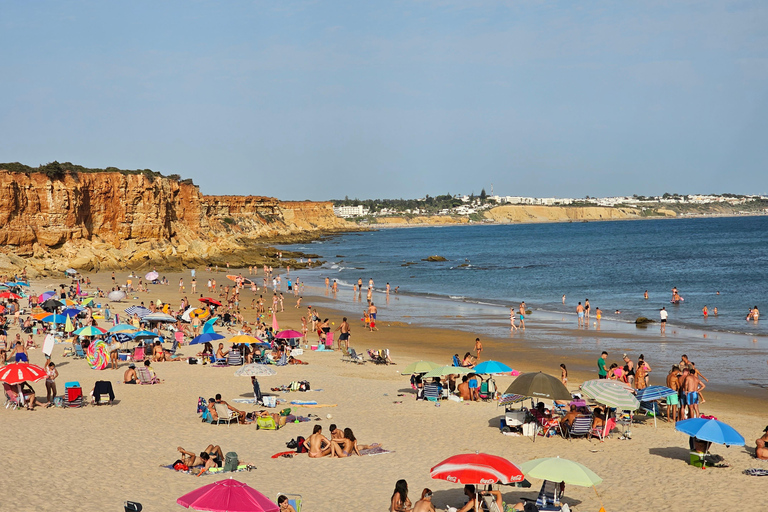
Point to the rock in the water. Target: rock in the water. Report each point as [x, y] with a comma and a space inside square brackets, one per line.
[435, 258]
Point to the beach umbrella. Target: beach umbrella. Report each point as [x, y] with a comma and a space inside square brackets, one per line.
[151, 276]
[71, 312]
[68, 327]
[255, 370]
[116, 295]
[208, 326]
[141, 312]
[122, 337]
[16, 373]
[90, 330]
[707, 430]
[488, 367]
[442, 371]
[556, 469]
[51, 304]
[288, 334]
[9, 295]
[244, 338]
[539, 385]
[70, 271]
[232, 278]
[610, 383]
[227, 495]
[610, 395]
[478, 469]
[652, 393]
[158, 317]
[143, 335]
[275, 325]
[55, 319]
[21, 283]
[45, 296]
[206, 337]
[419, 367]
[124, 328]
[208, 300]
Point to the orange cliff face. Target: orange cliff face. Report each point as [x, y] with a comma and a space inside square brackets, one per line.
[116, 220]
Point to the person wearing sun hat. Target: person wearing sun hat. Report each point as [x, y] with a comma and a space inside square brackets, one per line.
[130, 374]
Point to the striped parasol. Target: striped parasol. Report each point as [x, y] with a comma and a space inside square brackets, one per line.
[652, 393]
[610, 395]
[137, 310]
[511, 399]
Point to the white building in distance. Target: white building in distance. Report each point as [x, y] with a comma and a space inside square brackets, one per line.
[350, 211]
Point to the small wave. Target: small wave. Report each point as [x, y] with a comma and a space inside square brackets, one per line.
[457, 297]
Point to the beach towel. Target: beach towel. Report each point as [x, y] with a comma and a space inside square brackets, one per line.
[375, 450]
[303, 402]
[756, 472]
[316, 406]
[212, 471]
[289, 453]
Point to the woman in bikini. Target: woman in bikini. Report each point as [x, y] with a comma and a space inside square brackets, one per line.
[345, 446]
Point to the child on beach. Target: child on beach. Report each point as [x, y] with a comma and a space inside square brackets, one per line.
[563, 374]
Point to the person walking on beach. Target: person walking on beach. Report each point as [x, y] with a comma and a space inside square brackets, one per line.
[563, 374]
[663, 315]
[181, 285]
[580, 314]
[344, 333]
[602, 371]
[372, 310]
[586, 311]
[478, 349]
[522, 316]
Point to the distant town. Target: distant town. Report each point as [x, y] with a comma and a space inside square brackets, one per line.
[474, 205]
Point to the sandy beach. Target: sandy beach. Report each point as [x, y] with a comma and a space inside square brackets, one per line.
[97, 457]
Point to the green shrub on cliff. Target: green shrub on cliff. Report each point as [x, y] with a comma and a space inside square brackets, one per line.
[56, 170]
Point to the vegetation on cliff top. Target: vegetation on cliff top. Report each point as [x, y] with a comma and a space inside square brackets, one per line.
[56, 170]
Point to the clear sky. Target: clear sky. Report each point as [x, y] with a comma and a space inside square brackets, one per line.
[318, 100]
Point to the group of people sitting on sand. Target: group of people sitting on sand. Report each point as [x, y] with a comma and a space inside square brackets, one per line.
[399, 502]
[341, 444]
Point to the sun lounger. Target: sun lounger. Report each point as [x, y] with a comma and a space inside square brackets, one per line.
[225, 414]
[432, 392]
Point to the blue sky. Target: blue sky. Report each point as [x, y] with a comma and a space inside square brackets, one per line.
[318, 100]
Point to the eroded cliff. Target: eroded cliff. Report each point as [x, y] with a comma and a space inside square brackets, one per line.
[115, 220]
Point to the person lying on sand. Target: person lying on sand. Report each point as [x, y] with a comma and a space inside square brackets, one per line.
[319, 445]
[293, 360]
[211, 457]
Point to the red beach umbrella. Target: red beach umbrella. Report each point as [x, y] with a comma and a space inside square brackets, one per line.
[228, 496]
[16, 373]
[478, 469]
[9, 295]
[208, 300]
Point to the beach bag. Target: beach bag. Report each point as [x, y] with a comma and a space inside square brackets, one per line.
[304, 385]
[202, 405]
[301, 445]
[230, 461]
[192, 360]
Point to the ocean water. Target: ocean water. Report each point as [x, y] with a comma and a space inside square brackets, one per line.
[609, 263]
[492, 267]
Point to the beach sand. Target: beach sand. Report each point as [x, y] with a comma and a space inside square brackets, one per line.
[97, 457]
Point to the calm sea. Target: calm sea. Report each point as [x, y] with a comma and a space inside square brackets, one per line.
[610, 263]
[490, 267]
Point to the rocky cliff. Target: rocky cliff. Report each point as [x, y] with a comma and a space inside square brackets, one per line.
[111, 220]
[526, 213]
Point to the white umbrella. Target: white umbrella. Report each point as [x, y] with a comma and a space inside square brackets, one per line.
[116, 295]
[158, 317]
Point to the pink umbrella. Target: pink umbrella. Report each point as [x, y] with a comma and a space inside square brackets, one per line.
[275, 325]
[228, 496]
[290, 333]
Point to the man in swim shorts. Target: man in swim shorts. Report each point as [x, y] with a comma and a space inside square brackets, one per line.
[672, 400]
[692, 387]
[580, 313]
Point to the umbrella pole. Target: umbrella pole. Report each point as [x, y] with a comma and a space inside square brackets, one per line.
[602, 507]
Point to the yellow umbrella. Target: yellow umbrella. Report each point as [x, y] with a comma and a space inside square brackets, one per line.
[68, 327]
[200, 313]
[244, 338]
[85, 302]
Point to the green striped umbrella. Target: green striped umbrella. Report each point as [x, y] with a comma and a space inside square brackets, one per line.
[556, 469]
[447, 370]
[419, 367]
[608, 393]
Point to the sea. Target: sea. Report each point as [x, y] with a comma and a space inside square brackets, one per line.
[719, 262]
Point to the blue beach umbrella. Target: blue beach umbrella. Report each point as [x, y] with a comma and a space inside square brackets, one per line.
[145, 335]
[125, 328]
[487, 367]
[55, 319]
[89, 330]
[121, 337]
[710, 430]
[206, 337]
[652, 393]
[71, 312]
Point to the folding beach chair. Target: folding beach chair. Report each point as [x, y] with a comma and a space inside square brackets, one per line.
[581, 426]
[144, 376]
[102, 387]
[354, 357]
[79, 352]
[294, 500]
[73, 395]
[11, 397]
[549, 497]
[487, 390]
[234, 358]
[225, 414]
[138, 354]
[603, 432]
[432, 392]
[456, 361]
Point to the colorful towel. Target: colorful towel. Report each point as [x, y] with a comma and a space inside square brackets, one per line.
[756, 472]
[290, 453]
[212, 471]
[303, 402]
